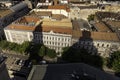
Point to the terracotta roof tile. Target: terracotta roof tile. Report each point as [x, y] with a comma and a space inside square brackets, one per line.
[102, 27]
[64, 7]
[105, 36]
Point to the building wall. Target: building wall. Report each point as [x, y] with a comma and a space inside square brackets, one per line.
[18, 36]
[54, 40]
[55, 11]
[50, 39]
[102, 48]
[57, 41]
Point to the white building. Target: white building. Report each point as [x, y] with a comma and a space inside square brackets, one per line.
[57, 34]
[56, 9]
[64, 1]
[53, 34]
[44, 3]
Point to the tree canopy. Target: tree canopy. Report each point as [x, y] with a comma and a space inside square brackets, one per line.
[70, 54]
[34, 50]
[114, 61]
[21, 48]
[91, 17]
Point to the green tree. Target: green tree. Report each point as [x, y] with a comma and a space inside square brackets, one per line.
[42, 51]
[114, 61]
[12, 46]
[24, 46]
[71, 54]
[91, 17]
[50, 53]
[4, 44]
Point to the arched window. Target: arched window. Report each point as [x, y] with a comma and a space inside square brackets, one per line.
[102, 45]
[98, 45]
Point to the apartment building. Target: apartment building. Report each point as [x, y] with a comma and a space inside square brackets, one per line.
[51, 27]
[55, 9]
[46, 14]
[53, 34]
[57, 34]
[7, 16]
[100, 43]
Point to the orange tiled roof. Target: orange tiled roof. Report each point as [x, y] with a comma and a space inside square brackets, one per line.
[57, 30]
[39, 29]
[105, 36]
[28, 19]
[115, 24]
[102, 27]
[59, 7]
[20, 27]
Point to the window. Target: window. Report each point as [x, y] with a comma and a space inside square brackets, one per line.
[44, 37]
[98, 45]
[53, 43]
[88, 43]
[31, 37]
[58, 38]
[62, 39]
[62, 44]
[58, 43]
[102, 45]
[68, 40]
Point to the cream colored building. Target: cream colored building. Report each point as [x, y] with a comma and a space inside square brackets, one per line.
[112, 8]
[56, 9]
[57, 34]
[100, 43]
[53, 34]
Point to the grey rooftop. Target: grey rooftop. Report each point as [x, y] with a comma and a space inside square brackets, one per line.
[68, 72]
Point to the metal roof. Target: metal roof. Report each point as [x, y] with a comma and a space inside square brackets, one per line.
[18, 7]
[65, 72]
